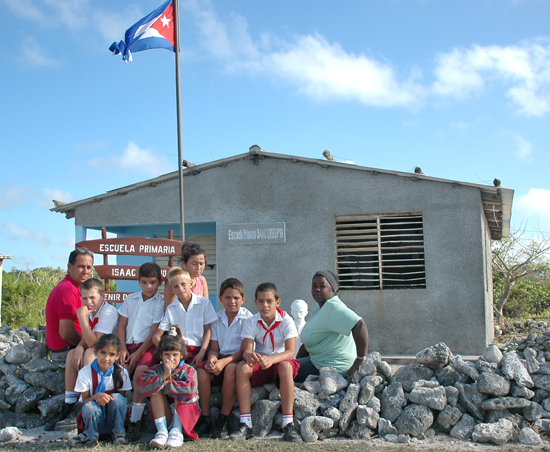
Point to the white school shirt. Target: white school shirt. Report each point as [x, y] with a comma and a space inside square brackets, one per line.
[107, 319]
[229, 337]
[84, 381]
[141, 315]
[253, 330]
[191, 322]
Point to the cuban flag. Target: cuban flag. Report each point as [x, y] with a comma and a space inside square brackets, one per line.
[155, 31]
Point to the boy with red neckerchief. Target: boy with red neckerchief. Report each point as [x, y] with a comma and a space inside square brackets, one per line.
[269, 344]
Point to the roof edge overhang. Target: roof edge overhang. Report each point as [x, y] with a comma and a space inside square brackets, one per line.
[501, 198]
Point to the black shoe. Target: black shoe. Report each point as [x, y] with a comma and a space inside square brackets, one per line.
[221, 427]
[290, 433]
[66, 409]
[243, 432]
[134, 431]
[204, 426]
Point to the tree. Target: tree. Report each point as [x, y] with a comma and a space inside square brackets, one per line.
[515, 258]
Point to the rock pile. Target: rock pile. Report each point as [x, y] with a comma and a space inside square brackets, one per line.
[31, 387]
[503, 396]
[495, 399]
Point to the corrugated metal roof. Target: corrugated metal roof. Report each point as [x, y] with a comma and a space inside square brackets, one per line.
[497, 201]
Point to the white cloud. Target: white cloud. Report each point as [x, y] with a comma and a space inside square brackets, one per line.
[25, 8]
[135, 158]
[535, 207]
[316, 67]
[536, 201]
[459, 125]
[524, 71]
[34, 55]
[13, 196]
[325, 71]
[71, 13]
[525, 148]
[15, 232]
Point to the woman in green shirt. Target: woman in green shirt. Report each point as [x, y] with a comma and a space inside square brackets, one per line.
[334, 335]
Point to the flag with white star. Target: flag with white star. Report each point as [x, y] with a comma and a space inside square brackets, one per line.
[154, 31]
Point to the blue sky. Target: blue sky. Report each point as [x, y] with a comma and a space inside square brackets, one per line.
[459, 88]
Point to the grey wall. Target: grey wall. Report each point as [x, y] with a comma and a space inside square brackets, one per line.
[307, 197]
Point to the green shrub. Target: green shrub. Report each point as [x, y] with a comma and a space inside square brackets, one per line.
[25, 292]
[24, 295]
[529, 297]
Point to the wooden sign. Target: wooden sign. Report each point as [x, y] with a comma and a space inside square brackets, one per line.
[116, 297]
[124, 272]
[133, 246]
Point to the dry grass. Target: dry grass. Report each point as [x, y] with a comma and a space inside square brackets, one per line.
[280, 446]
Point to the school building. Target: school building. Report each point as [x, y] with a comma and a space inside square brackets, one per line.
[412, 252]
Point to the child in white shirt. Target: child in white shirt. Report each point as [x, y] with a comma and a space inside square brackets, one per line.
[224, 354]
[103, 385]
[192, 313]
[139, 318]
[269, 344]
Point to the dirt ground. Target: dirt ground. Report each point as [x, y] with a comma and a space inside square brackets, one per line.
[37, 438]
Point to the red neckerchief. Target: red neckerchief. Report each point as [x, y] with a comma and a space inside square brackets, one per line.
[269, 331]
[93, 322]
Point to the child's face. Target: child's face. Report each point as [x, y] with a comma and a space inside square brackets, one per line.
[91, 299]
[171, 358]
[149, 286]
[106, 357]
[267, 304]
[232, 300]
[195, 265]
[181, 287]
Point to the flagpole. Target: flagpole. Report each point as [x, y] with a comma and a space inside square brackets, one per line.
[178, 114]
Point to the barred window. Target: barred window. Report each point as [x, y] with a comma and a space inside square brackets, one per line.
[380, 251]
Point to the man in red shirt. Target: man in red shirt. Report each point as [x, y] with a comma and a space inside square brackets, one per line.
[62, 327]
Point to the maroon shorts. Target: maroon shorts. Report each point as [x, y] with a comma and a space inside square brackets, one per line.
[263, 376]
[218, 379]
[148, 358]
[192, 351]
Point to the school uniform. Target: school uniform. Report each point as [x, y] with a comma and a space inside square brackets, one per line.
[229, 337]
[105, 319]
[199, 313]
[270, 340]
[141, 316]
[97, 420]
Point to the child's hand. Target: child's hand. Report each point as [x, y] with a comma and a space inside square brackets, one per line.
[251, 358]
[77, 357]
[198, 359]
[216, 368]
[102, 399]
[124, 355]
[83, 311]
[132, 361]
[265, 362]
[210, 363]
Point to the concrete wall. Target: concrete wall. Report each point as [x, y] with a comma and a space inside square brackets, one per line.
[453, 308]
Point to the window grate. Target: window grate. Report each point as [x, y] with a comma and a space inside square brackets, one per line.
[380, 252]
